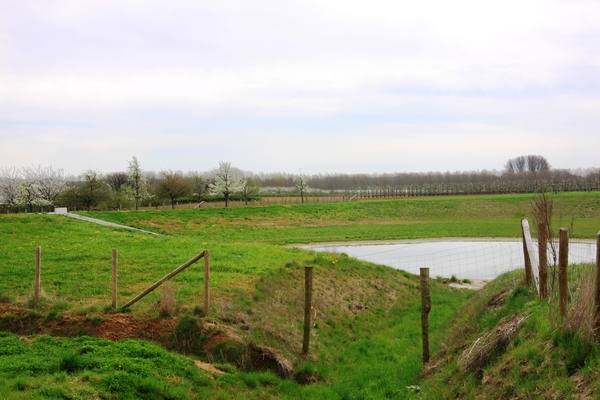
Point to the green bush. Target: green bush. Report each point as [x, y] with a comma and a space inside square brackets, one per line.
[188, 336]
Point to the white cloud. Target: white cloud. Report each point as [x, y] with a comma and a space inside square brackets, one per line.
[338, 85]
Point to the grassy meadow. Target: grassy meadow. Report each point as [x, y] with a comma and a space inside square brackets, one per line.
[366, 342]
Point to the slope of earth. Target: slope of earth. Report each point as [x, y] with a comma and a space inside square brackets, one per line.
[506, 343]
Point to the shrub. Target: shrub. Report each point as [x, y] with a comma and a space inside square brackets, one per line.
[188, 335]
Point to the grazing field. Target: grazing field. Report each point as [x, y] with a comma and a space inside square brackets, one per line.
[366, 342]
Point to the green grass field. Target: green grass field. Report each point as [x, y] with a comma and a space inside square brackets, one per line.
[357, 352]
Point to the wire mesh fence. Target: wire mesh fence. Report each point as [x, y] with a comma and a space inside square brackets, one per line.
[472, 259]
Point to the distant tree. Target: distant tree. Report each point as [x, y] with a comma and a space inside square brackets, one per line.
[28, 191]
[116, 180]
[92, 191]
[136, 182]
[10, 185]
[47, 183]
[532, 164]
[301, 186]
[173, 185]
[200, 186]
[250, 188]
[227, 181]
[517, 165]
[537, 164]
[120, 190]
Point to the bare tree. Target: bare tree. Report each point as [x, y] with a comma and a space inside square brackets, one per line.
[227, 181]
[527, 164]
[517, 165]
[116, 180]
[173, 185]
[137, 182]
[94, 189]
[118, 183]
[301, 186]
[537, 164]
[10, 185]
[200, 186]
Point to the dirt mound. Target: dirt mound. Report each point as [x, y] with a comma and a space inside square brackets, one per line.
[262, 358]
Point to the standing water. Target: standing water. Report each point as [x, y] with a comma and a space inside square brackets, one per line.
[463, 258]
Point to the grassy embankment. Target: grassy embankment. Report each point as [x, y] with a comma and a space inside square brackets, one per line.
[507, 343]
[366, 343]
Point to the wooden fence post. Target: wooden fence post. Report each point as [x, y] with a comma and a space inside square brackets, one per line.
[528, 271]
[530, 253]
[37, 283]
[308, 275]
[206, 281]
[563, 277]
[115, 262]
[425, 308]
[543, 257]
[597, 289]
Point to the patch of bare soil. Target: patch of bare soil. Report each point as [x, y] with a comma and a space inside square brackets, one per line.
[215, 339]
[496, 301]
[208, 367]
[124, 326]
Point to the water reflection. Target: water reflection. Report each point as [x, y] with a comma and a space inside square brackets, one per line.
[472, 259]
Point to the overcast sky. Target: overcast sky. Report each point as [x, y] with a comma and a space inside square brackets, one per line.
[322, 86]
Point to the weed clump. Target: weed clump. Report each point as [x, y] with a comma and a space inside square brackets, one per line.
[72, 361]
[167, 300]
[577, 350]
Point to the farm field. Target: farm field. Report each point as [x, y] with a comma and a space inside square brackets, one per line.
[367, 340]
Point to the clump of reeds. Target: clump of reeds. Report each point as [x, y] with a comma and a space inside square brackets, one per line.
[581, 317]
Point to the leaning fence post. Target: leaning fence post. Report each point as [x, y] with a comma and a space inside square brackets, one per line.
[206, 281]
[563, 261]
[597, 289]
[530, 253]
[115, 261]
[528, 272]
[543, 257]
[163, 279]
[308, 274]
[425, 308]
[37, 283]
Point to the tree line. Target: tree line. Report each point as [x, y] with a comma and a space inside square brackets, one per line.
[43, 188]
